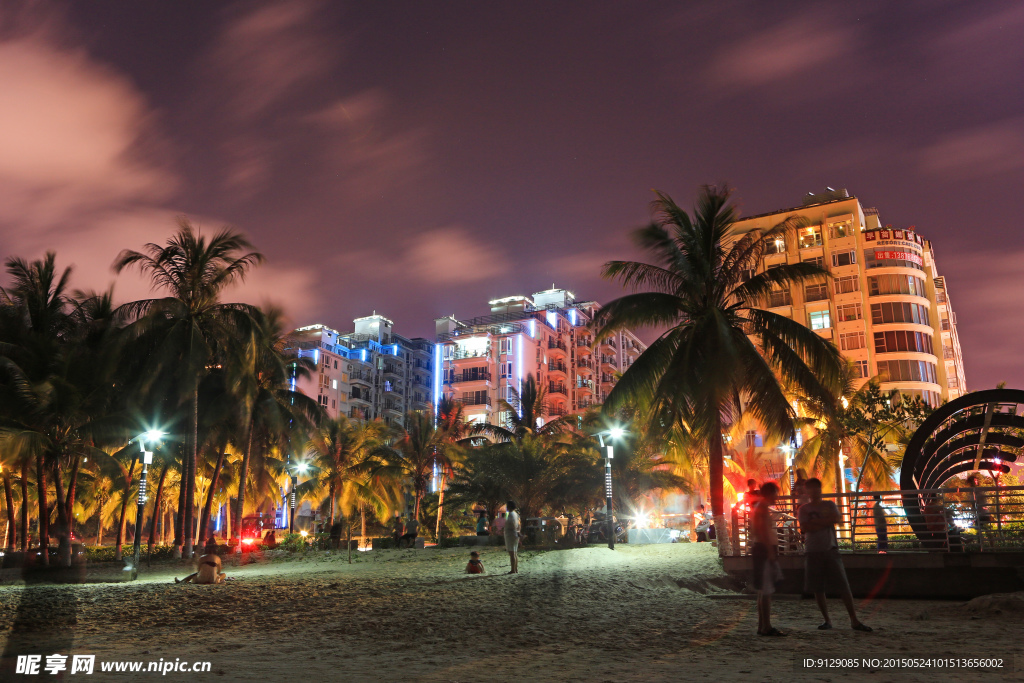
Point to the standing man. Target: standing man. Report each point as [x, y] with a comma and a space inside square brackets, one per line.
[881, 526]
[764, 550]
[512, 535]
[818, 520]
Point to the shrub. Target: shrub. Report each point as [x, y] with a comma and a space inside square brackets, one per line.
[294, 543]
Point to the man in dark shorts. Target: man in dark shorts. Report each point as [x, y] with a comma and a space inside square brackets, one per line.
[764, 550]
[818, 520]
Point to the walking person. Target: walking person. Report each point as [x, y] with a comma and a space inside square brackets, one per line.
[818, 520]
[481, 523]
[764, 550]
[881, 524]
[513, 528]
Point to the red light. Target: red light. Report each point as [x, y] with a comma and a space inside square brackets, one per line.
[248, 540]
[740, 498]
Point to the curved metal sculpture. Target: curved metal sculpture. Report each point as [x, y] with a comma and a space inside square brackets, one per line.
[968, 433]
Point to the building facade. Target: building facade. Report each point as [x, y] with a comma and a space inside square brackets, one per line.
[885, 305]
[367, 374]
[485, 361]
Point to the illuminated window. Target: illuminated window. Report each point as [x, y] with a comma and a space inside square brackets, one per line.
[776, 246]
[820, 320]
[809, 237]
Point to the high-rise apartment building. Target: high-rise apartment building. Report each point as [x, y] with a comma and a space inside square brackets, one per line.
[885, 305]
[484, 361]
[367, 374]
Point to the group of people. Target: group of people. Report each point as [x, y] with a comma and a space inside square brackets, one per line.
[817, 519]
[512, 530]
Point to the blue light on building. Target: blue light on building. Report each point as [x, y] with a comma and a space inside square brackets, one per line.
[519, 370]
[438, 348]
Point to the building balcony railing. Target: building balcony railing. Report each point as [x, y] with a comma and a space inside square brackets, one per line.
[608, 360]
[557, 388]
[556, 344]
[585, 384]
[463, 377]
[558, 412]
[475, 399]
[605, 378]
[584, 363]
[467, 353]
[585, 342]
[557, 367]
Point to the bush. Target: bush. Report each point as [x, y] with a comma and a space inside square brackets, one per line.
[294, 543]
[105, 553]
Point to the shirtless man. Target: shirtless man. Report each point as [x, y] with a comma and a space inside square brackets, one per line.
[209, 571]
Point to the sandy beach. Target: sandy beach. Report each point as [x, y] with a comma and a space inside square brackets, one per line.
[651, 613]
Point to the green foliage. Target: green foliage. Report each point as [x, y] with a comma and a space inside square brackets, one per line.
[294, 543]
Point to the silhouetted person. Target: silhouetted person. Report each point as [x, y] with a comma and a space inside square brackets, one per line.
[818, 520]
[764, 551]
[881, 524]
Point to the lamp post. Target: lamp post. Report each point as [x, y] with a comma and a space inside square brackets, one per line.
[152, 435]
[613, 433]
[300, 467]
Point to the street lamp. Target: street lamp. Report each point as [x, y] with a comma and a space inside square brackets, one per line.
[614, 434]
[296, 469]
[152, 436]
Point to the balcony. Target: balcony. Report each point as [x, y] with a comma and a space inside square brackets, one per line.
[557, 412]
[815, 293]
[584, 364]
[557, 388]
[557, 367]
[557, 344]
[606, 379]
[475, 398]
[609, 361]
[363, 396]
[779, 299]
[474, 354]
[364, 377]
[466, 376]
[584, 342]
[390, 369]
[585, 384]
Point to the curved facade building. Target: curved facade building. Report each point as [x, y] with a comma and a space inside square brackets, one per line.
[885, 305]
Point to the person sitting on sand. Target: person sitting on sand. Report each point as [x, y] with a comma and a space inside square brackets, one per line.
[475, 566]
[209, 571]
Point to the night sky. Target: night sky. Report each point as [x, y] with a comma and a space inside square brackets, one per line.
[419, 158]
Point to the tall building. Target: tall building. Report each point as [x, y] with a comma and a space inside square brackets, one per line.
[885, 305]
[485, 360]
[369, 373]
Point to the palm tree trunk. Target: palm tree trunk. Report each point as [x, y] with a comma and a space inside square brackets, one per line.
[64, 525]
[440, 506]
[190, 484]
[69, 502]
[204, 522]
[99, 522]
[24, 506]
[157, 514]
[123, 516]
[12, 521]
[362, 522]
[243, 475]
[332, 503]
[44, 512]
[716, 471]
[179, 520]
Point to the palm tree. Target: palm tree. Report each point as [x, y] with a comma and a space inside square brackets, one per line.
[720, 353]
[859, 423]
[525, 413]
[420, 449]
[273, 412]
[338, 453]
[191, 327]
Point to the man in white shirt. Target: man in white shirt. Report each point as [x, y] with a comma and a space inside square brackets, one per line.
[818, 520]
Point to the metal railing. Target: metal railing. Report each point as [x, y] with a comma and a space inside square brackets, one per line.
[967, 519]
